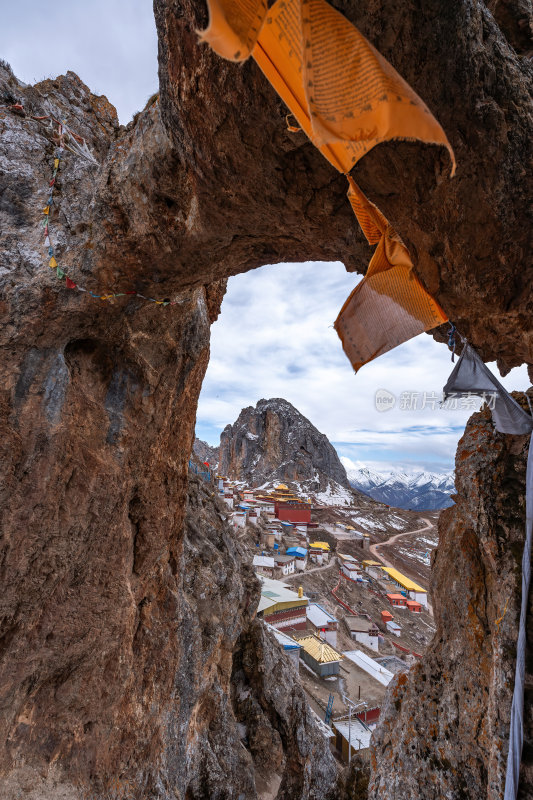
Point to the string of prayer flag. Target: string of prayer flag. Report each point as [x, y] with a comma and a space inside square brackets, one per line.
[78, 146]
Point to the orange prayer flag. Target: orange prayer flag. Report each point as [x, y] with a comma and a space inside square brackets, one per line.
[46, 210]
[234, 26]
[353, 93]
[347, 98]
[390, 305]
[345, 95]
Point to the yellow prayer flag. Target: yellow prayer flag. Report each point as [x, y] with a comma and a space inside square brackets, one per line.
[52, 263]
[347, 98]
[390, 305]
[46, 210]
[234, 26]
[56, 163]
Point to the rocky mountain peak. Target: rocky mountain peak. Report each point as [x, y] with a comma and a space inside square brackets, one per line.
[275, 442]
[419, 490]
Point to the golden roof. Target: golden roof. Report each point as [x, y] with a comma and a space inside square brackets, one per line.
[319, 650]
[320, 545]
[282, 488]
[407, 583]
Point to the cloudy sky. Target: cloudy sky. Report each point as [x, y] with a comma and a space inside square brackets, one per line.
[274, 336]
[110, 44]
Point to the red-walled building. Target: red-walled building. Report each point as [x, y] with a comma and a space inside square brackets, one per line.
[397, 600]
[293, 512]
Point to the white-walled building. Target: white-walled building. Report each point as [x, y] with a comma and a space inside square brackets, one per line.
[286, 563]
[238, 519]
[323, 623]
[350, 570]
[300, 557]
[264, 565]
[393, 627]
[363, 630]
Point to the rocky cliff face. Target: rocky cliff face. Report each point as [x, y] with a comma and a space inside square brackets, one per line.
[444, 730]
[235, 722]
[98, 396]
[273, 442]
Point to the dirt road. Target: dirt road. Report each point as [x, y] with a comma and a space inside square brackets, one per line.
[310, 571]
[374, 548]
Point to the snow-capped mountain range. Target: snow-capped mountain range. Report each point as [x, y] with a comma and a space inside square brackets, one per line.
[420, 491]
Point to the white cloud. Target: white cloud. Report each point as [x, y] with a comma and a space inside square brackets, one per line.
[110, 44]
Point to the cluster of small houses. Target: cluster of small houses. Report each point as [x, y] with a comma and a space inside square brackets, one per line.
[286, 521]
[306, 630]
[410, 595]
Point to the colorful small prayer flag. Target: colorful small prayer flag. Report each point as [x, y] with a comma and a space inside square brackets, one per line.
[70, 284]
[56, 163]
[46, 210]
[60, 273]
[52, 263]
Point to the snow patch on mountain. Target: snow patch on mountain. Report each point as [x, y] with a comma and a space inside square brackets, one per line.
[420, 491]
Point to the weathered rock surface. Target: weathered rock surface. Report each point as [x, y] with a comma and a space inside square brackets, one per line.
[444, 731]
[98, 399]
[240, 723]
[273, 442]
[204, 452]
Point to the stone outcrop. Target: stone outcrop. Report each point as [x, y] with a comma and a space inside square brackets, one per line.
[240, 724]
[204, 452]
[98, 398]
[273, 442]
[444, 730]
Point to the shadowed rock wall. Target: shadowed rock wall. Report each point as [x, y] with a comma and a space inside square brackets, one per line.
[444, 731]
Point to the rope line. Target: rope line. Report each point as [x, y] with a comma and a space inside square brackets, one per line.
[77, 146]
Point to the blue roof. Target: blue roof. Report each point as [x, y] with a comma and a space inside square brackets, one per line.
[297, 551]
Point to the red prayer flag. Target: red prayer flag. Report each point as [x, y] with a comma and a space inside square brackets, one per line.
[70, 284]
